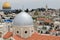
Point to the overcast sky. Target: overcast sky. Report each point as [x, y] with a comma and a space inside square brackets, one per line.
[16, 4]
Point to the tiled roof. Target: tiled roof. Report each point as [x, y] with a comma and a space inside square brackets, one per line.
[35, 36]
[44, 19]
[40, 18]
[16, 37]
[7, 35]
[53, 31]
[48, 20]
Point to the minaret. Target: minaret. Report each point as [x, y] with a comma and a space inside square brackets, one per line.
[23, 8]
[46, 7]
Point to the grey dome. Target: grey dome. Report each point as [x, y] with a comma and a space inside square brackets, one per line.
[23, 19]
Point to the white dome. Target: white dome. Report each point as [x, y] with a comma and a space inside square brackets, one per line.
[23, 19]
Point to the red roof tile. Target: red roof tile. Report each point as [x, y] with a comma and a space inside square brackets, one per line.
[44, 19]
[53, 31]
[16, 37]
[40, 18]
[48, 20]
[7, 35]
[35, 36]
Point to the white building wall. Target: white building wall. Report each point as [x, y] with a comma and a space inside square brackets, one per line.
[30, 31]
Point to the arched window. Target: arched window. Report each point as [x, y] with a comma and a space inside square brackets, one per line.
[38, 31]
[25, 32]
[41, 31]
[17, 31]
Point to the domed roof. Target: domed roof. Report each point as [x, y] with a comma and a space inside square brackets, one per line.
[6, 5]
[23, 19]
